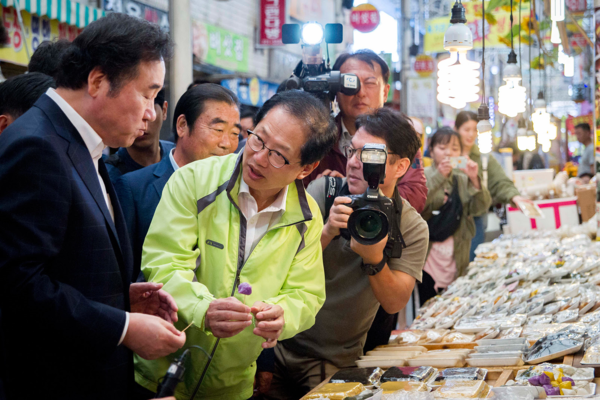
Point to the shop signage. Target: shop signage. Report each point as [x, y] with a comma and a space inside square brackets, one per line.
[272, 17]
[38, 30]
[572, 122]
[436, 28]
[424, 65]
[306, 10]
[220, 47]
[253, 92]
[422, 95]
[139, 10]
[364, 18]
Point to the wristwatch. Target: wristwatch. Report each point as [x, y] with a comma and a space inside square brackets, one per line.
[374, 269]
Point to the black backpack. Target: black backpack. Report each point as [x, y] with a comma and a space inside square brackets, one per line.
[446, 222]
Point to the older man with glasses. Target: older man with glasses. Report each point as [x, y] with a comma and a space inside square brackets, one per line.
[242, 219]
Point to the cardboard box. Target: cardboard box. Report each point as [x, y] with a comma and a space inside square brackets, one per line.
[532, 177]
[557, 212]
[586, 199]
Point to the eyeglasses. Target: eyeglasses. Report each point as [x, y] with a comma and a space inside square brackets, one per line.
[350, 151]
[257, 144]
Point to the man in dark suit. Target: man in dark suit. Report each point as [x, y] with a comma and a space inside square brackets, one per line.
[71, 319]
[205, 121]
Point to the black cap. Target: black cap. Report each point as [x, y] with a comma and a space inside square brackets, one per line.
[458, 14]
[512, 57]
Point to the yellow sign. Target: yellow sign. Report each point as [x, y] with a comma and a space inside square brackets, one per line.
[38, 29]
[436, 28]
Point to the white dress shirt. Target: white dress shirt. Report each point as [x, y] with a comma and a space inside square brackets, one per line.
[173, 162]
[259, 222]
[345, 139]
[95, 145]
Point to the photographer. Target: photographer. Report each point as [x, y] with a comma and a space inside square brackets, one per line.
[373, 73]
[358, 277]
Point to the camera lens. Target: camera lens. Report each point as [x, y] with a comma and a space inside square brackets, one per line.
[368, 224]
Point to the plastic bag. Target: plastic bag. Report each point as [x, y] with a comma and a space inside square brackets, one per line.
[513, 394]
[337, 391]
[403, 395]
[366, 376]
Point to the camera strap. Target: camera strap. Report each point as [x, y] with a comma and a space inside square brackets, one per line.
[333, 187]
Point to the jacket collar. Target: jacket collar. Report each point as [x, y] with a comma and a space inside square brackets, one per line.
[163, 166]
[296, 207]
[78, 153]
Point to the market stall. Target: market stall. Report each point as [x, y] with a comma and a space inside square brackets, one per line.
[524, 323]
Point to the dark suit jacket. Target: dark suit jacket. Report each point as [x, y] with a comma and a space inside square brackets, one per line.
[139, 193]
[65, 265]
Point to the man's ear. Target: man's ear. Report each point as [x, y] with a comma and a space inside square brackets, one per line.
[165, 109]
[386, 91]
[307, 170]
[5, 121]
[97, 82]
[402, 166]
[182, 126]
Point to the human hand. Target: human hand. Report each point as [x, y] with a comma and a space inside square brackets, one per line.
[149, 298]
[371, 254]
[445, 167]
[227, 317]
[151, 337]
[338, 216]
[472, 169]
[262, 382]
[328, 172]
[517, 200]
[269, 322]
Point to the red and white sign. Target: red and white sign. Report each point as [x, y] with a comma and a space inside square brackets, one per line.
[272, 18]
[424, 65]
[557, 212]
[364, 18]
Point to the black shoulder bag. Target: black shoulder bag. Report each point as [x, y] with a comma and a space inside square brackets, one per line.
[446, 222]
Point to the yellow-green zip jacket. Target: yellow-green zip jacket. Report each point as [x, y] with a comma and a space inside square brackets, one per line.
[195, 246]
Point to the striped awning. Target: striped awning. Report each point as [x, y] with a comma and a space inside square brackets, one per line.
[70, 12]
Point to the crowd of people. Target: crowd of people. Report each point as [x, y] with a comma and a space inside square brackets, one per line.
[228, 237]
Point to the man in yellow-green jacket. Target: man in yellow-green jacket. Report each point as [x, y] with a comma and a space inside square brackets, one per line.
[235, 219]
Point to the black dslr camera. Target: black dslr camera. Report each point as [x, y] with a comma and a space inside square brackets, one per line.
[374, 215]
[312, 74]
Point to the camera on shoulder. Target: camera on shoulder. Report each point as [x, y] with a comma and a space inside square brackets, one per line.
[374, 215]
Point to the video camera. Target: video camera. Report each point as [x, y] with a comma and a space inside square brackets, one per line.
[312, 74]
[375, 216]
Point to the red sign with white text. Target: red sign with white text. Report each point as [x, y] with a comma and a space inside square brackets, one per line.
[272, 18]
[364, 18]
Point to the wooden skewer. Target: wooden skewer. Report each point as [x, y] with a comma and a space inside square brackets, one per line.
[184, 329]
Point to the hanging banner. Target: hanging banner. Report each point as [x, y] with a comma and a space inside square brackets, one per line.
[252, 93]
[38, 29]
[306, 10]
[494, 34]
[422, 95]
[364, 18]
[572, 122]
[139, 10]
[272, 18]
[220, 47]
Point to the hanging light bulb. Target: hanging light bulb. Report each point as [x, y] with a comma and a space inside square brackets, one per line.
[458, 77]
[567, 61]
[557, 10]
[540, 118]
[552, 131]
[523, 141]
[484, 130]
[512, 96]
[555, 35]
